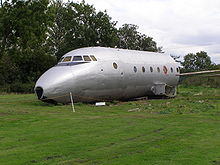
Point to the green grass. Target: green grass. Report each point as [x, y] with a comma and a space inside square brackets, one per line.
[184, 130]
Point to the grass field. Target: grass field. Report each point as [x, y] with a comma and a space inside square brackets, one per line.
[184, 130]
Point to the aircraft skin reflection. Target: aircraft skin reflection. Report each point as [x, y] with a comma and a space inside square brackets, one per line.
[97, 73]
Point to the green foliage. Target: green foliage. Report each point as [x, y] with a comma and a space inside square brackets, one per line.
[216, 67]
[17, 87]
[79, 25]
[9, 70]
[24, 24]
[183, 130]
[203, 80]
[35, 33]
[197, 62]
[23, 27]
[130, 38]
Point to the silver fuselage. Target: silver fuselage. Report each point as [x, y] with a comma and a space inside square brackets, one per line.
[100, 81]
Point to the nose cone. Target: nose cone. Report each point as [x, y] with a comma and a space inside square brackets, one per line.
[39, 92]
[54, 83]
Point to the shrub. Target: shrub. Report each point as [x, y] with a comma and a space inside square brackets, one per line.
[18, 87]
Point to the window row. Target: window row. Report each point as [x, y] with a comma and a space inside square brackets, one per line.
[78, 58]
[158, 69]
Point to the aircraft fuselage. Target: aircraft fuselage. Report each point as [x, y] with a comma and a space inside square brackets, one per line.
[101, 74]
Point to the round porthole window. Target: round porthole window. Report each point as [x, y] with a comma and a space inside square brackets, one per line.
[165, 70]
[171, 69]
[177, 69]
[158, 69]
[115, 65]
[143, 69]
[135, 69]
[151, 69]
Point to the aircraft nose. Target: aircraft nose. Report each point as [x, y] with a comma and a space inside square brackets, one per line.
[54, 83]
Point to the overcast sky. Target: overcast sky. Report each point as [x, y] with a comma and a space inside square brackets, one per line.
[180, 26]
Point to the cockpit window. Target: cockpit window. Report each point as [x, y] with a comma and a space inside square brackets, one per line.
[67, 58]
[61, 59]
[77, 58]
[93, 58]
[86, 58]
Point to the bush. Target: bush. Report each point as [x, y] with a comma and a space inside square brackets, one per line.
[18, 87]
[213, 82]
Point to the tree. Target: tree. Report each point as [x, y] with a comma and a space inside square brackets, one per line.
[35, 33]
[23, 34]
[197, 62]
[9, 71]
[130, 38]
[79, 25]
[216, 67]
[57, 30]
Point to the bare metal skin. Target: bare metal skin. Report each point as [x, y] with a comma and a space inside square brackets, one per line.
[91, 81]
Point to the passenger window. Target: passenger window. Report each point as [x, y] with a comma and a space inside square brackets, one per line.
[177, 69]
[93, 58]
[171, 69]
[115, 65]
[158, 69]
[151, 69]
[86, 58]
[135, 69]
[143, 69]
[67, 58]
[77, 58]
[165, 70]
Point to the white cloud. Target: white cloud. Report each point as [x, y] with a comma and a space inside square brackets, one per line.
[180, 27]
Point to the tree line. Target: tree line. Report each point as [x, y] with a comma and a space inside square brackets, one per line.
[34, 34]
[193, 62]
